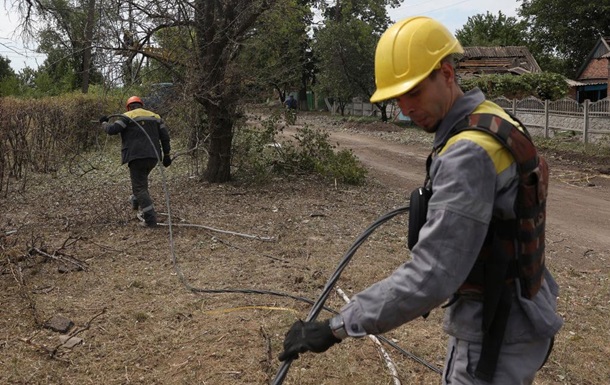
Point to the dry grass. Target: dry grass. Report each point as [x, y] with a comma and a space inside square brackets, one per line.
[140, 324]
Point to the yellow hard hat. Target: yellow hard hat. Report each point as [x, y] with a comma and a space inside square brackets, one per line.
[406, 54]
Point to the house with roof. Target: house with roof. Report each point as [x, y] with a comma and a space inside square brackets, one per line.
[478, 61]
[593, 76]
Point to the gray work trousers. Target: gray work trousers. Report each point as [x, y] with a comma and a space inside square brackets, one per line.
[517, 363]
[139, 169]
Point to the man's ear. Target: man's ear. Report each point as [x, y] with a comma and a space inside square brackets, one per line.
[448, 72]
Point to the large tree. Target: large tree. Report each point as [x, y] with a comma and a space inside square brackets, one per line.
[563, 32]
[221, 28]
[488, 30]
[346, 53]
[67, 28]
[277, 54]
[345, 48]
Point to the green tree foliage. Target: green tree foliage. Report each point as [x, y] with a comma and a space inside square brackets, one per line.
[563, 32]
[372, 12]
[259, 154]
[278, 53]
[5, 68]
[544, 85]
[346, 52]
[172, 56]
[488, 30]
[9, 84]
[345, 48]
[57, 74]
[64, 29]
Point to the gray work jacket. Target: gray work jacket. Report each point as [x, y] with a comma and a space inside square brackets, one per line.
[471, 182]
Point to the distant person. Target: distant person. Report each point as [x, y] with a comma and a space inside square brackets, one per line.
[291, 103]
[481, 240]
[138, 128]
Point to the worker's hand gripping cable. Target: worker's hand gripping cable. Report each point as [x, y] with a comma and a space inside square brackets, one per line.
[309, 335]
[304, 337]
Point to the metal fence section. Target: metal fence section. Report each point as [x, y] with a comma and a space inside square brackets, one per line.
[565, 106]
[529, 104]
[589, 119]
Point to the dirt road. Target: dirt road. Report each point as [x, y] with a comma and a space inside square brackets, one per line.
[579, 200]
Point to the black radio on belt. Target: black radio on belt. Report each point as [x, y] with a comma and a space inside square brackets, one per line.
[417, 213]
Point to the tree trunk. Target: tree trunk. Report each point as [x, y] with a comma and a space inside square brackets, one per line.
[384, 113]
[87, 49]
[302, 97]
[220, 28]
[219, 163]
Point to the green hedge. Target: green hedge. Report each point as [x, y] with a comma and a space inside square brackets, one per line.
[544, 85]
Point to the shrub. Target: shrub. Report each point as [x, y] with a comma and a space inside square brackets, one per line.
[259, 154]
[43, 134]
[544, 85]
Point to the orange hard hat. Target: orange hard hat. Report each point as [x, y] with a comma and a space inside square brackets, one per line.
[133, 99]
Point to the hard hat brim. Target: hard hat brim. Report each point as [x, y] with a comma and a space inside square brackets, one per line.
[387, 93]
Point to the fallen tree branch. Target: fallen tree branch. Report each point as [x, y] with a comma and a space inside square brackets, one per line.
[266, 239]
[75, 332]
[388, 360]
[18, 276]
[61, 257]
[267, 362]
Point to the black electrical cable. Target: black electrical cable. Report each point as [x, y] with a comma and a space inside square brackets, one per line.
[411, 355]
[318, 305]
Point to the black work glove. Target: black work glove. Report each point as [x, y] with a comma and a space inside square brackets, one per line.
[103, 118]
[166, 160]
[307, 337]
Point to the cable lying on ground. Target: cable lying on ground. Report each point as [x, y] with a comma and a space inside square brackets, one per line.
[318, 305]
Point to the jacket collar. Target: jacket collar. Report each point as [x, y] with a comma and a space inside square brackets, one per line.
[462, 107]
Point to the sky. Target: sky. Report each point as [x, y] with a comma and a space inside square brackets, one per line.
[452, 13]
[12, 46]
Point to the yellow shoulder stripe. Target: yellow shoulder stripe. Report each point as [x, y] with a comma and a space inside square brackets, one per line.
[140, 112]
[500, 156]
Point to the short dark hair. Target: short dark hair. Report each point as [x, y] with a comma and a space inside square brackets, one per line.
[453, 60]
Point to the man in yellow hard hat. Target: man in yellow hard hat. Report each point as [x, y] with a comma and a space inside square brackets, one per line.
[143, 136]
[480, 241]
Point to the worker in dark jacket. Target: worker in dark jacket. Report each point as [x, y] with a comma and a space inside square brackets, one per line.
[143, 135]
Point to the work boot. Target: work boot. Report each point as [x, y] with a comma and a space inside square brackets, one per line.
[149, 225]
[134, 202]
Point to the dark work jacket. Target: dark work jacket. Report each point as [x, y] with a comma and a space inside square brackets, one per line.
[136, 143]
